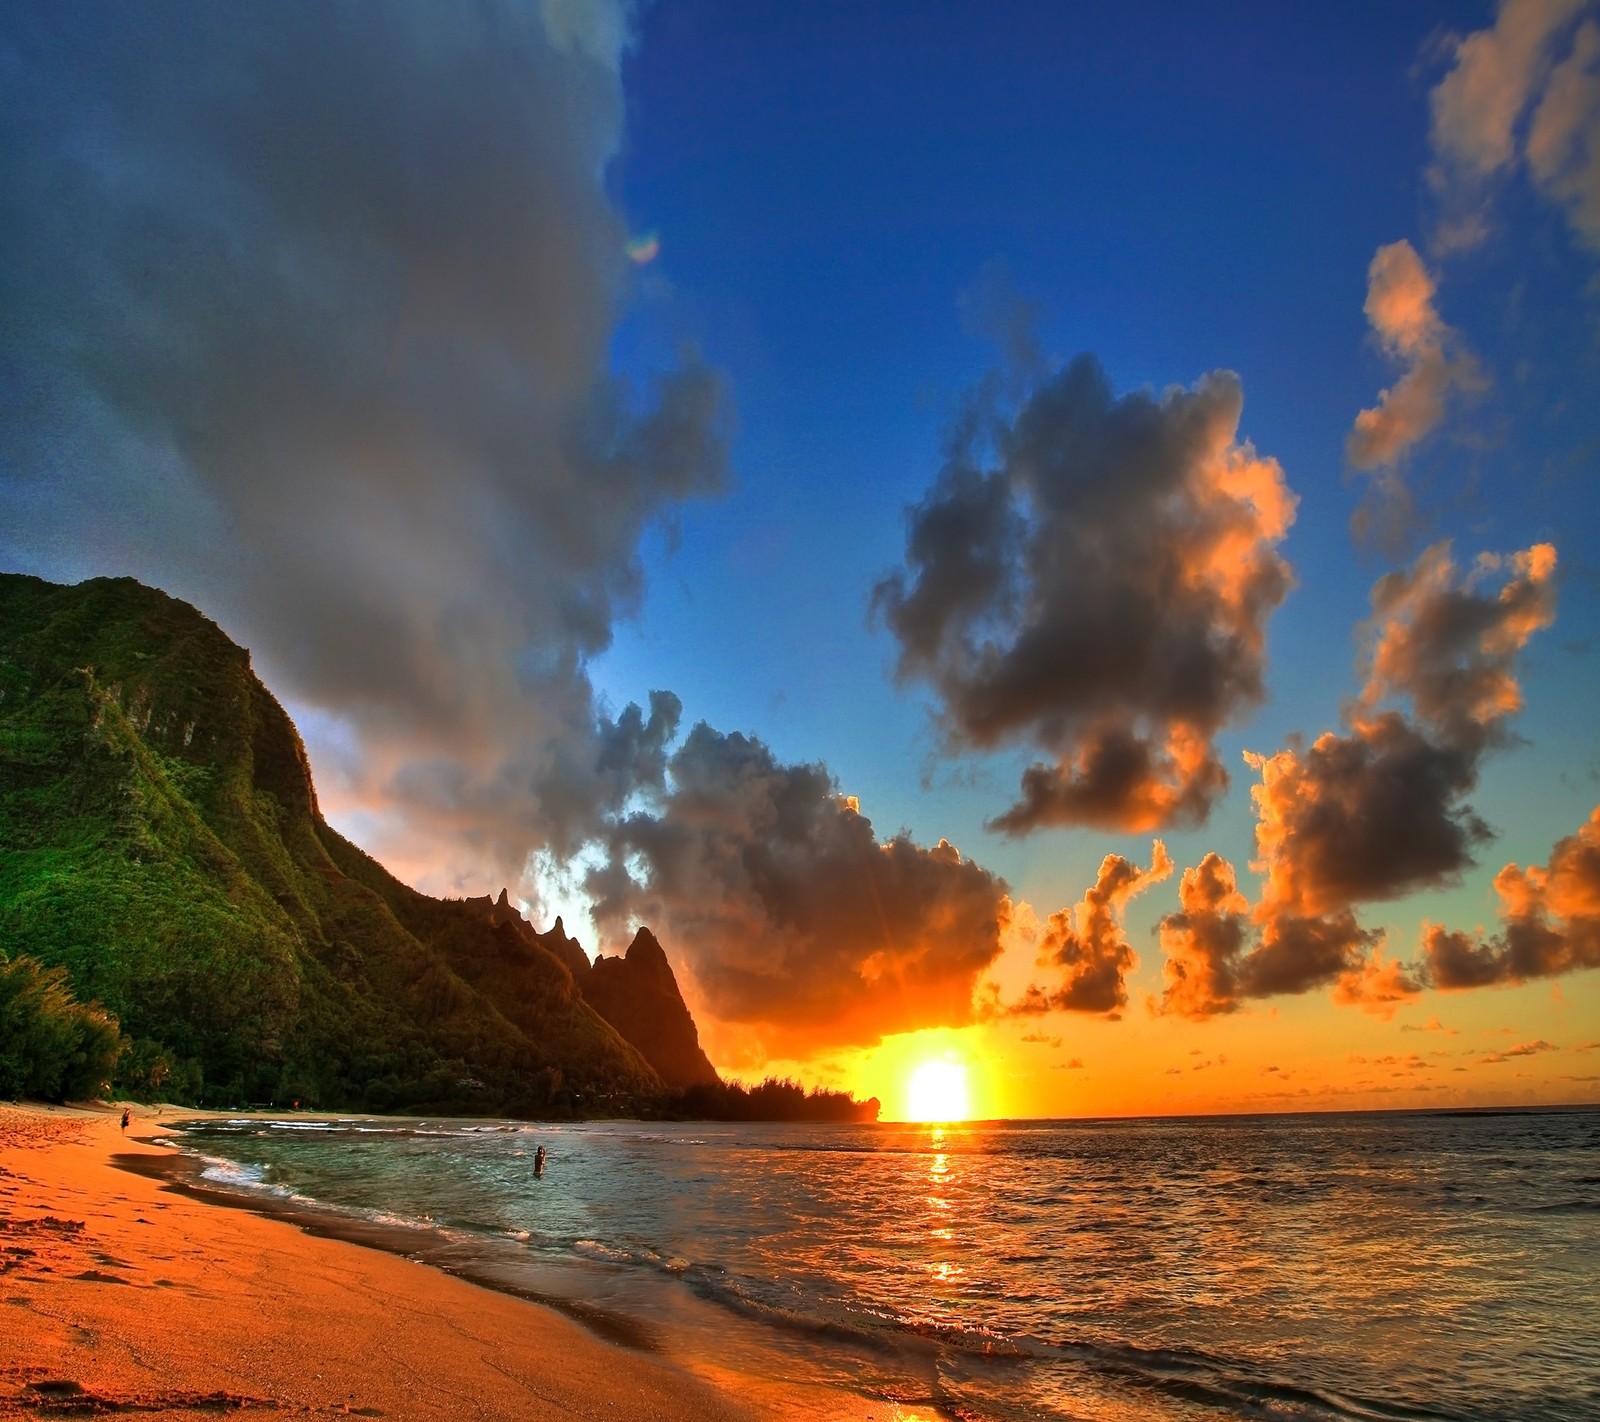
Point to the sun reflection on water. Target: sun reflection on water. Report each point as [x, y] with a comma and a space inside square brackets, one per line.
[941, 1231]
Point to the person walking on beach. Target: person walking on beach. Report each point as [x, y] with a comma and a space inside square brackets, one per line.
[538, 1164]
[126, 1113]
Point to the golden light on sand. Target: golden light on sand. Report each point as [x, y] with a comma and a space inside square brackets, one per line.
[938, 1092]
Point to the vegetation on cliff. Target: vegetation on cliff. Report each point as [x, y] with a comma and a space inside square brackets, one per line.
[160, 843]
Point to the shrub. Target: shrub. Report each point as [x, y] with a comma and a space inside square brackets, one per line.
[52, 1047]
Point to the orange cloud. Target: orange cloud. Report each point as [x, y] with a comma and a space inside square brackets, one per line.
[1477, 104]
[1087, 942]
[1522, 1049]
[1378, 985]
[1400, 309]
[1533, 61]
[797, 925]
[1377, 811]
[1564, 140]
[1203, 941]
[1551, 921]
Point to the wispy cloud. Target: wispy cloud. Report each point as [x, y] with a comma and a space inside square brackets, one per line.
[1400, 309]
[1524, 1049]
[1431, 1025]
[1525, 91]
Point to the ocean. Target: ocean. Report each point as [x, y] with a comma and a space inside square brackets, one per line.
[1377, 1265]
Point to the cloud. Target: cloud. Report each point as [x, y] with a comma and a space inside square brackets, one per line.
[1087, 943]
[1297, 952]
[1401, 312]
[1522, 1049]
[1378, 812]
[1431, 1025]
[1525, 90]
[1564, 141]
[1411, 1061]
[1204, 940]
[1091, 576]
[1042, 1039]
[308, 314]
[1378, 985]
[796, 923]
[1373, 813]
[1550, 922]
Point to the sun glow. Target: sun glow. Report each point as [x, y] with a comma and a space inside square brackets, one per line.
[938, 1092]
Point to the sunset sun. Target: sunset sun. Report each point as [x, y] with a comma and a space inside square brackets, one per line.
[938, 1092]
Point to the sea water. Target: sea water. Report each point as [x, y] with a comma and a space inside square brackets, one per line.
[1382, 1265]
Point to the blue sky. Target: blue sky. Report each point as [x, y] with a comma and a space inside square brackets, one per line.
[1173, 190]
[323, 317]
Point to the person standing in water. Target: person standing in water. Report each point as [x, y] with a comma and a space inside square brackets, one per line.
[538, 1163]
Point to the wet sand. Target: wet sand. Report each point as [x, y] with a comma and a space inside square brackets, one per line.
[123, 1289]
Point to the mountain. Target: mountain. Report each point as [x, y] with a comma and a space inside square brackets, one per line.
[637, 993]
[500, 913]
[160, 841]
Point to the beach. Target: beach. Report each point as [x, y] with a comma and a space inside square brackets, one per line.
[1321, 1267]
[123, 1292]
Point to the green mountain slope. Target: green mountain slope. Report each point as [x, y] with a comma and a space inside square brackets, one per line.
[160, 841]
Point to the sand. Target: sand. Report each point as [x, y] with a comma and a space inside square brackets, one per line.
[120, 1292]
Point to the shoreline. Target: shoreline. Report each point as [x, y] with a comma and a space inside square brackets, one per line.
[181, 1173]
[124, 1287]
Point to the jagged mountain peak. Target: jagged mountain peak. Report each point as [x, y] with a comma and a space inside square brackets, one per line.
[637, 992]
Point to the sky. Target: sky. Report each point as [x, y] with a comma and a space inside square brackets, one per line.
[1056, 540]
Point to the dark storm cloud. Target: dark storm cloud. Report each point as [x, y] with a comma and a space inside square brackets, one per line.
[797, 924]
[1092, 576]
[1550, 922]
[1088, 944]
[1377, 811]
[307, 319]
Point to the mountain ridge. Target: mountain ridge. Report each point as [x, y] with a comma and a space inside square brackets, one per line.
[164, 846]
[636, 992]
